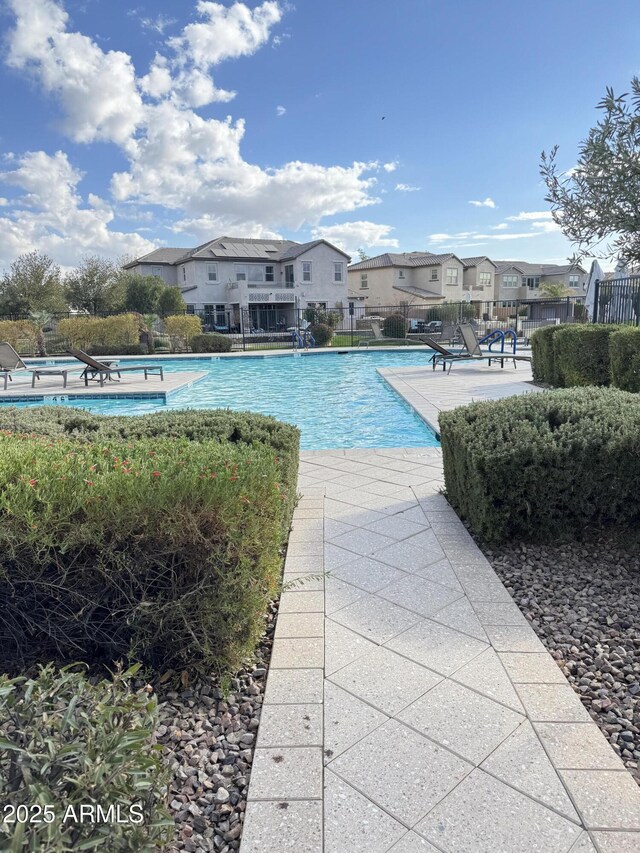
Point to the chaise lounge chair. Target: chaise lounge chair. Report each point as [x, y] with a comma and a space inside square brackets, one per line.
[10, 363]
[379, 337]
[471, 351]
[101, 370]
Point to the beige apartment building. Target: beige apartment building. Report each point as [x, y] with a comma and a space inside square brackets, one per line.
[408, 278]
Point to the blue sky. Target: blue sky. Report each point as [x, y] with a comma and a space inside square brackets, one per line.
[127, 126]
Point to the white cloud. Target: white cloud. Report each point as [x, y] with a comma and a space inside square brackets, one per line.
[97, 90]
[276, 41]
[406, 188]
[350, 236]
[177, 160]
[477, 236]
[390, 167]
[158, 24]
[501, 227]
[226, 32]
[488, 202]
[525, 217]
[546, 226]
[52, 217]
[280, 111]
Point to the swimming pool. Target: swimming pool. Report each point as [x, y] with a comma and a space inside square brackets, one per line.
[337, 400]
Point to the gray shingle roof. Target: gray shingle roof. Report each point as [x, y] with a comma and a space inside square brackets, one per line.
[404, 259]
[234, 248]
[417, 291]
[474, 262]
[538, 269]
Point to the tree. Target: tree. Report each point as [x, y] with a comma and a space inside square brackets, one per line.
[32, 284]
[95, 286]
[171, 301]
[362, 254]
[142, 292]
[599, 199]
[555, 289]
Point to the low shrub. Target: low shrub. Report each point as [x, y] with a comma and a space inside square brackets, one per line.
[624, 357]
[581, 354]
[544, 465]
[181, 328]
[322, 334]
[210, 343]
[21, 334]
[68, 743]
[123, 349]
[164, 551]
[394, 326]
[112, 333]
[221, 425]
[543, 358]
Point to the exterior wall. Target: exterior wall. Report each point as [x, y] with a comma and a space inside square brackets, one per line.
[381, 283]
[452, 292]
[508, 293]
[471, 281]
[167, 272]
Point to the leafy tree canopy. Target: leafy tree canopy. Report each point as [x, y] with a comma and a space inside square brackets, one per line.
[96, 285]
[597, 203]
[33, 283]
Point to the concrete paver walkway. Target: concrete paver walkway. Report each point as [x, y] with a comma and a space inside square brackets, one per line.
[409, 704]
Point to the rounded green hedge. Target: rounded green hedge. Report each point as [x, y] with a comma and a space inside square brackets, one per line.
[581, 354]
[543, 359]
[624, 356]
[395, 326]
[322, 334]
[210, 343]
[546, 465]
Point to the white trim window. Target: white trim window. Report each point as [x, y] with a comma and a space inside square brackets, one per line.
[156, 271]
[269, 273]
[484, 279]
[452, 275]
[401, 274]
[184, 273]
[574, 281]
[212, 272]
[241, 272]
[510, 281]
[255, 275]
[531, 281]
[338, 272]
[434, 274]
[289, 277]
[306, 271]
[364, 281]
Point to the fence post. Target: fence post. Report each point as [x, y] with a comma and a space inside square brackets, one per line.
[596, 300]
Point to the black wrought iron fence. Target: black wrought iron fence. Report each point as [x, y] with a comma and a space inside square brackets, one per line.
[617, 301]
[353, 325]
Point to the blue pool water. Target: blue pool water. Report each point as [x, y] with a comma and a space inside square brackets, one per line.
[336, 400]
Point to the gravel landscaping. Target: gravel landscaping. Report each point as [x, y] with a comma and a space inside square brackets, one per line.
[209, 735]
[583, 600]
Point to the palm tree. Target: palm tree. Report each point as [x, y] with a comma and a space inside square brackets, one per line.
[41, 319]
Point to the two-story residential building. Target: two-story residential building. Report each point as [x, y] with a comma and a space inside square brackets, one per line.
[267, 279]
[479, 277]
[408, 278]
[522, 280]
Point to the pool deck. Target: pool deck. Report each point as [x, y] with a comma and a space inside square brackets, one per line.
[131, 386]
[410, 707]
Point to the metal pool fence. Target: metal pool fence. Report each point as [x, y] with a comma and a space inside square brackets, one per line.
[353, 325]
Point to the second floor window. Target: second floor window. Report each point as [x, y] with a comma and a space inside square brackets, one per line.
[574, 281]
[434, 274]
[452, 275]
[510, 281]
[288, 276]
[269, 274]
[306, 270]
[241, 272]
[156, 271]
[184, 273]
[212, 272]
[400, 273]
[338, 274]
[531, 281]
[364, 281]
[484, 279]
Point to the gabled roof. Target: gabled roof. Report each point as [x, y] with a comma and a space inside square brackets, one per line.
[404, 259]
[538, 269]
[474, 262]
[234, 248]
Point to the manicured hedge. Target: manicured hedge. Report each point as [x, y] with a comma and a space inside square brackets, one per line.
[581, 353]
[624, 356]
[68, 743]
[322, 334]
[221, 425]
[210, 343]
[394, 326]
[119, 330]
[164, 551]
[543, 358]
[546, 465]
